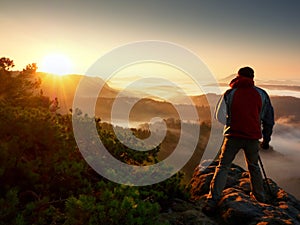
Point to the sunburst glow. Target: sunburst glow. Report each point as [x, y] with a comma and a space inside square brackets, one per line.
[56, 63]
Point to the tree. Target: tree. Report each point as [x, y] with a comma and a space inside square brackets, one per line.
[5, 76]
[6, 64]
[18, 87]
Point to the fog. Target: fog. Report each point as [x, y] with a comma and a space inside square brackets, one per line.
[281, 161]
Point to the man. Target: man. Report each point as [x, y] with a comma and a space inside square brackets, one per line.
[244, 110]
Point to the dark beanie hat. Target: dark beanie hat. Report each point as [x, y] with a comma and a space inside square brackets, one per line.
[246, 72]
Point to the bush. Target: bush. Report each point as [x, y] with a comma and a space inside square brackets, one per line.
[44, 178]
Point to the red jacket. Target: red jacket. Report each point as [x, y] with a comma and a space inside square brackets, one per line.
[244, 109]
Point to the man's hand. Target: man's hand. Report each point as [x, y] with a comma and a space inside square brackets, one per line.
[264, 145]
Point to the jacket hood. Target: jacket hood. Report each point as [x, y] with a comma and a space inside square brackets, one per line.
[241, 81]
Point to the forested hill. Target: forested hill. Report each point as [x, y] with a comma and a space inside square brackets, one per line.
[64, 89]
[43, 176]
[287, 107]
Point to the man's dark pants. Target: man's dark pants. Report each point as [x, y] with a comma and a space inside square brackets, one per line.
[229, 149]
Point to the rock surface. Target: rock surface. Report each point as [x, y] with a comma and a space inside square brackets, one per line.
[236, 206]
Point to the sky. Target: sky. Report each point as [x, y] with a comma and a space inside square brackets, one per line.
[225, 35]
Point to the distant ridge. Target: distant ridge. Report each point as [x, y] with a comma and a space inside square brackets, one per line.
[227, 79]
[64, 88]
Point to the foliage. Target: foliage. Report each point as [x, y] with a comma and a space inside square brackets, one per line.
[20, 88]
[43, 177]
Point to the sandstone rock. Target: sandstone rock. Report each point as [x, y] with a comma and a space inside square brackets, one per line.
[237, 206]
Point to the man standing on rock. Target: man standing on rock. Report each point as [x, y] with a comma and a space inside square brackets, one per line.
[248, 115]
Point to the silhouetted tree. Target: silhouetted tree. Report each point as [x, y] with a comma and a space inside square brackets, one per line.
[18, 87]
[5, 76]
[6, 64]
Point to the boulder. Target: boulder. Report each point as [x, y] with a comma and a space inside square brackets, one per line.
[237, 206]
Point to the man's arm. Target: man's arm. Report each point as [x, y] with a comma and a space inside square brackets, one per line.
[267, 118]
[221, 110]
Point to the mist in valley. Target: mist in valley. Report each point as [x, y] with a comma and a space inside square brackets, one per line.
[281, 161]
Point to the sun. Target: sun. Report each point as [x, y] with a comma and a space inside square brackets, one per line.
[56, 63]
